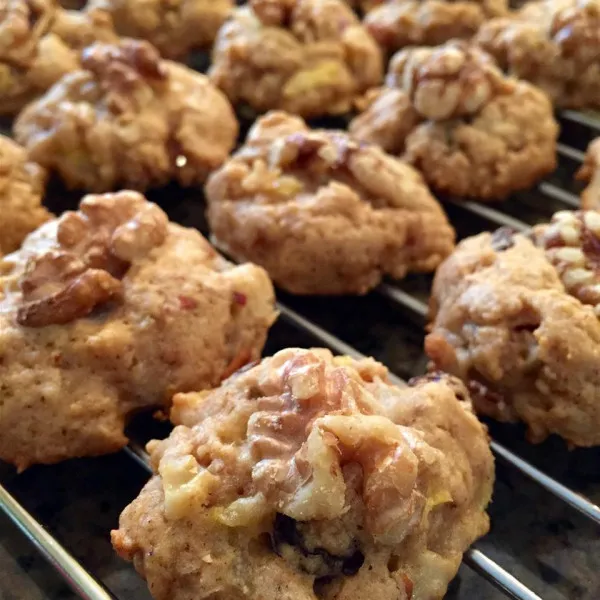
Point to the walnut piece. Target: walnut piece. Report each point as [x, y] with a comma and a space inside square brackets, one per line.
[308, 57]
[452, 81]
[572, 244]
[97, 243]
[128, 119]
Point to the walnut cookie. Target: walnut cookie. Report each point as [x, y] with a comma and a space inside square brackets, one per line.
[396, 24]
[471, 131]
[308, 57]
[322, 213]
[22, 185]
[39, 43]
[554, 44]
[129, 119]
[100, 317]
[311, 477]
[590, 173]
[174, 27]
[517, 318]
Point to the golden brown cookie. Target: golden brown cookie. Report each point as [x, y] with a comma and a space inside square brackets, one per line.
[311, 477]
[396, 24]
[129, 119]
[471, 131]
[39, 43]
[308, 57]
[517, 318]
[109, 310]
[554, 44]
[22, 185]
[324, 214]
[175, 27]
[590, 173]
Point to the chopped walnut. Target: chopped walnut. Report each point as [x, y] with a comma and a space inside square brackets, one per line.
[572, 244]
[96, 245]
[80, 291]
[308, 57]
[448, 82]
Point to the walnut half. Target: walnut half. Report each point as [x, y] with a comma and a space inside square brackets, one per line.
[447, 82]
[96, 246]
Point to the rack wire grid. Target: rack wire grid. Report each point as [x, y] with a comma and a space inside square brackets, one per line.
[545, 536]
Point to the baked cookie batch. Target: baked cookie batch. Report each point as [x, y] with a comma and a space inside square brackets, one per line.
[301, 476]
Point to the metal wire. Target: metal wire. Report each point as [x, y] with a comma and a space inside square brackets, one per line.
[493, 215]
[67, 567]
[589, 120]
[503, 580]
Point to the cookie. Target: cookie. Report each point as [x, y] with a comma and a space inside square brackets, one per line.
[310, 476]
[100, 317]
[128, 119]
[590, 174]
[517, 318]
[22, 185]
[40, 43]
[308, 57]
[322, 213]
[554, 44]
[396, 24]
[471, 131]
[175, 27]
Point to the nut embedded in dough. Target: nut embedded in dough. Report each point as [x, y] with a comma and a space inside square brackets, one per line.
[470, 130]
[175, 27]
[396, 24]
[324, 214]
[307, 57]
[311, 477]
[517, 318]
[40, 43]
[554, 44]
[100, 317]
[22, 185]
[590, 174]
[129, 119]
